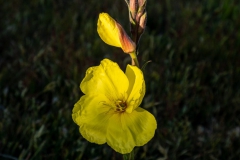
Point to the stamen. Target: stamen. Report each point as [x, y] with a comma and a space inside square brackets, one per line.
[121, 106]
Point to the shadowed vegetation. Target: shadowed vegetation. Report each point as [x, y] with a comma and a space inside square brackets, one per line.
[193, 80]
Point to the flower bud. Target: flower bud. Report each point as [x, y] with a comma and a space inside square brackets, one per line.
[142, 23]
[133, 10]
[113, 34]
[141, 5]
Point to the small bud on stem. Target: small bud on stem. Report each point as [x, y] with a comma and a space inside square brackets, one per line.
[137, 17]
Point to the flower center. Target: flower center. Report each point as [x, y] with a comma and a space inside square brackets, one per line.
[121, 106]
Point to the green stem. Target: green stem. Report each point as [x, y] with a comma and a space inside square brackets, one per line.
[134, 59]
[129, 156]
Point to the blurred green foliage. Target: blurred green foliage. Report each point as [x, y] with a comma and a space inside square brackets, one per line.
[193, 81]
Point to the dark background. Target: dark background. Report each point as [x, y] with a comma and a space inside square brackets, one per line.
[193, 81]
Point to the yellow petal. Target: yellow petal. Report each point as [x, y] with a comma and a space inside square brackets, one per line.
[92, 114]
[108, 30]
[107, 79]
[125, 131]
[136, 90]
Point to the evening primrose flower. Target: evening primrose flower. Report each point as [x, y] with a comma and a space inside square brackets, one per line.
[113, 34]
[109, 111]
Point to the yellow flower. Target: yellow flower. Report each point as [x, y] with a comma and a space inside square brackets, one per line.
[109, 112]
[113, 34]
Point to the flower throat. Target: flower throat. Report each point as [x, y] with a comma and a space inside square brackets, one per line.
[121, 106]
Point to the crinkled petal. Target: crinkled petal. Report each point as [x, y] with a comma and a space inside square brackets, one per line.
[136, 90]
[107, 79]
[125, 131]
[108, 30]
[92, 114]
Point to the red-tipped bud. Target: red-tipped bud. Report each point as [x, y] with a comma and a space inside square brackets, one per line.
[113, 34]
